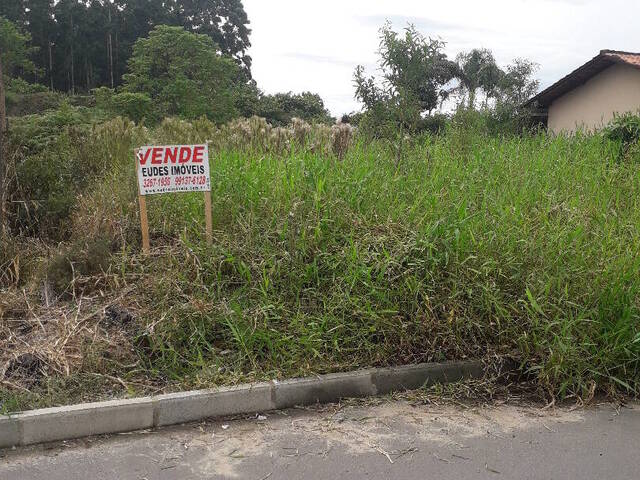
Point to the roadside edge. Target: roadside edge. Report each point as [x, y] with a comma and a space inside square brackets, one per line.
[117, 416]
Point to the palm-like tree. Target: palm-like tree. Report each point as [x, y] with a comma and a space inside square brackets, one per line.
[477, 70]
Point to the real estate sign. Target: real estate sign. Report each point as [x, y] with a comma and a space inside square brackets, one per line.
[173, 168]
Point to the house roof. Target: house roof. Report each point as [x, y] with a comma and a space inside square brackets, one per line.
[597, 64]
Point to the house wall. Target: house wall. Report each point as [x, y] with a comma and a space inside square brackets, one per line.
[592, 104]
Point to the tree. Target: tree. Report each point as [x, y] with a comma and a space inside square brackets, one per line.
[15, 51]
[415, 70]
[516, 86]
[280, 108]
[477, 70]
[83, 44]
[225, 21]
[183, 74]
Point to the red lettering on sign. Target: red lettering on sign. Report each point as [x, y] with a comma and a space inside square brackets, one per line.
[170, 154]
[198, 154]
[185, 154]
[156, 156]
[143, 160]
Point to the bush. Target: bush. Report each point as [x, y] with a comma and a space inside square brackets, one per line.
[434, 124]
[131, 105]
[33, 133]
[60, 166]
[20, 86]
[624, 129]
[135, 106]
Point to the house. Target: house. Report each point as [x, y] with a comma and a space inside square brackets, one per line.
[589, 96]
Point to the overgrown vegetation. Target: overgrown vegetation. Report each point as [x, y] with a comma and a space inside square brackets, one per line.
[328, 259]
[417, 79]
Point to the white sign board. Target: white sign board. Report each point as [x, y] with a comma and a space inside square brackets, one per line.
[173, 168]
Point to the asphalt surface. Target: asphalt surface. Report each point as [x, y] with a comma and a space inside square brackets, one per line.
[391, 439]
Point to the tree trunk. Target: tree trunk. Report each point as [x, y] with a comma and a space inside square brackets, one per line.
[73, 79]
[116, 63]
[110, 50]
[3, 160]
[50, 67]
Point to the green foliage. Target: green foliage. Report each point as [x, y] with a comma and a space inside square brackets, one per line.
[135, 106]
[471, 245]
[281, 108]
[22, 87]
[103, 96]
[183, 74]
[435, 124]
[625, 130]
[15, 48]
[66, 152]
[415, 70]
[33, 133]
[475, 70]
[83, 45]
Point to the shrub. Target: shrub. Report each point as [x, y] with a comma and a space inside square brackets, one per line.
[134, 106]
[61, 165]
[103, 96]
[434, 124]
[624, 129]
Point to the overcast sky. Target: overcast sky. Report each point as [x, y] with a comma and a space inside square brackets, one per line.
[300, 45]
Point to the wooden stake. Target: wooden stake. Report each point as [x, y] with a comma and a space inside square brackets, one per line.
[144, 224]
[207, 217]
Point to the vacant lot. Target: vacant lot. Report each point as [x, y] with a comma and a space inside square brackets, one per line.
[448, 247]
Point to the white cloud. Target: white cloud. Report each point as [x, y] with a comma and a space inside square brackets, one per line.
[315, 46]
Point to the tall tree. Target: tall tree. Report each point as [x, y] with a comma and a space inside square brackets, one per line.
[225, 21]
[518, 85]
[86, 43]
[415, 70]
[183, 73]
[477, 70]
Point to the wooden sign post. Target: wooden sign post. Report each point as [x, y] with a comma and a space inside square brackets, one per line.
[207, 217]
[169, 169]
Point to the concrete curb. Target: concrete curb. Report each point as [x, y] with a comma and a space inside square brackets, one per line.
[115, 416]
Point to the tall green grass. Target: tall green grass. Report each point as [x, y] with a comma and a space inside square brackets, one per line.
[463, 246]
[467, 246]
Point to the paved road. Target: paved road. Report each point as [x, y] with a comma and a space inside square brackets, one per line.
[392, 439]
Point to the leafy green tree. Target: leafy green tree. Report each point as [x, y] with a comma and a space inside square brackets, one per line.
[225, 21]
[516, 86]
[83, 44]
[477, 70]
[415, 70]
[183, 74]
[15, 52]
[280, 108]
